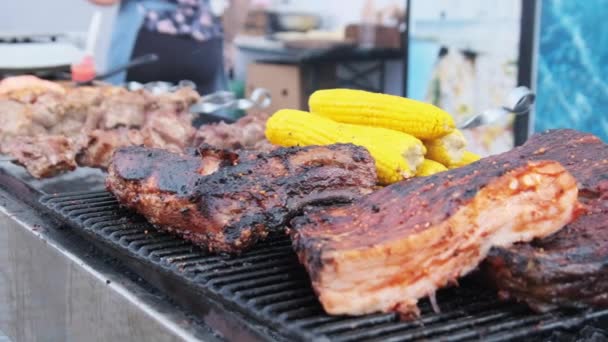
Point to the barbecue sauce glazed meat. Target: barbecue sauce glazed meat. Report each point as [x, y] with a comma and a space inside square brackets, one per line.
[401, 243]
[569, 268]
[227, 202]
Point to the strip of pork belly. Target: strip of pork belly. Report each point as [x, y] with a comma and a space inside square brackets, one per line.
[402, 243]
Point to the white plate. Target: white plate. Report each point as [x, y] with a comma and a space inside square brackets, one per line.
[21, 56]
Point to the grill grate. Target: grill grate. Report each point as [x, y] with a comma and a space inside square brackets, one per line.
[267, 285]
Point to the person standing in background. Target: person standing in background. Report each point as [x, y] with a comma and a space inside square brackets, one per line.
[187, 36]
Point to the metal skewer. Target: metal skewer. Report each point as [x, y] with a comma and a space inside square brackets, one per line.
[260, 98]
[519, 102]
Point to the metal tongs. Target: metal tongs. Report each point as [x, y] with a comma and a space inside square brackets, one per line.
[519, 102]
[160, 87]
[141, 60]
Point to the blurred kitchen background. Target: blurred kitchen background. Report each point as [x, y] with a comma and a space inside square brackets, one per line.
[462, 55]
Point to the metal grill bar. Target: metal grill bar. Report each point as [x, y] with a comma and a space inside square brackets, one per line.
[268, 286]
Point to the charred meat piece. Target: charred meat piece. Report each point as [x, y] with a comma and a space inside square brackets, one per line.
[122, 108]
[245, 133]
[16, 119]
[62, 113]
[96, 148]
[29, 83]
[43, 156]
[178, 101]
[227, 205]
[169, 130]
[399, 244]
[569, 268]
[101, 118]
[46, 107]
[96, 121]
[48, 155]
[68, 111]
[91, 149]
[79, 100]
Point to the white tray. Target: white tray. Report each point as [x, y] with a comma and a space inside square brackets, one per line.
[36, 56]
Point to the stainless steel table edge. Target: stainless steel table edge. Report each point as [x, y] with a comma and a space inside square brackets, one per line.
[53, 289]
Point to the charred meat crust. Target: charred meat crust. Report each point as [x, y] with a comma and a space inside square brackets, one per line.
[228, 205]
[430, 200]
[401, 243]
[569, 268]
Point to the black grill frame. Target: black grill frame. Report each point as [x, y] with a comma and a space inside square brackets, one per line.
[267, 292]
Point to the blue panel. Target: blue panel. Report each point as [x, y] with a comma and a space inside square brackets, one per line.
[573, 66]
[421, 63]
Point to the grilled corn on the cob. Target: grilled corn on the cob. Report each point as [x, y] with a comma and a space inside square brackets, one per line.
[467, 158]
[397, 154]
[422, 120]
[448, 149]
[430, 167]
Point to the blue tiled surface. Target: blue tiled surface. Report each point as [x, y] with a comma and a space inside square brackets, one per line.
[573, 66]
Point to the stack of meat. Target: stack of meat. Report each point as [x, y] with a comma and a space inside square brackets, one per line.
[50, 128]
[537, 214]
[50, 131]
[247, 133]
[569, 268]
[392, 247]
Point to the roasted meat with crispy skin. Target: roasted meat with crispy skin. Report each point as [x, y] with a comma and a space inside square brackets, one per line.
[227, 205]
[569, 268]
[399, 244]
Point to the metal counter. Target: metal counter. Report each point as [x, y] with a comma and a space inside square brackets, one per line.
[54, 287]
[75, 266]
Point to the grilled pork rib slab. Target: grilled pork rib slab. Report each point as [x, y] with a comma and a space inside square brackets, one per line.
[401, 243]
[227, 205]
[569, 268]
